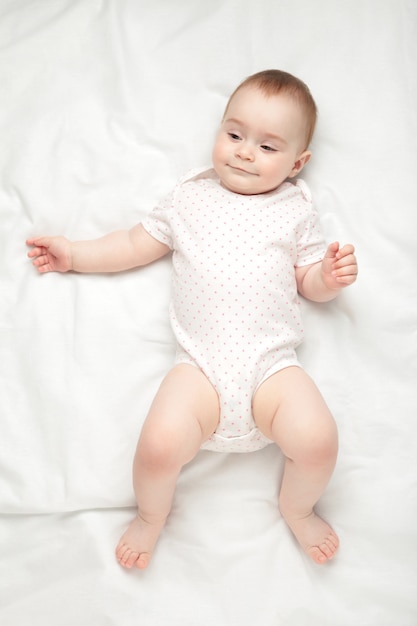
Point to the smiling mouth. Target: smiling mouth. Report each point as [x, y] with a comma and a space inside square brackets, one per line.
[240, 169]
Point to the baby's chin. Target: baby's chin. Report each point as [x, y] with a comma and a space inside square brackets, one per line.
[246, 190]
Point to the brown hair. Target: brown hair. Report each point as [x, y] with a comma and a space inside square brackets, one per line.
[272, 82]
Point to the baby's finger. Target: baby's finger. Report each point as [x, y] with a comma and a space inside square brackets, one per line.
[346, 273]
[332, 250]
[349, 259]
[35, 252]
[345, 250]
[42, 264]
[40, 260]
[344, 281]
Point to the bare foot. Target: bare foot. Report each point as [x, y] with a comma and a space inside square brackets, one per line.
[315, 536]
[136, 545]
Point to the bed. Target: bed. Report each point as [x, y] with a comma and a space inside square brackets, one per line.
[104, 105]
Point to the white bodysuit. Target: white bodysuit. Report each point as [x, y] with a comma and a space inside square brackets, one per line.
[235, 308]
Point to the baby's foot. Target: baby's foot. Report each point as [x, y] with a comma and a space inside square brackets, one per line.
[315, 536]
[136, 545]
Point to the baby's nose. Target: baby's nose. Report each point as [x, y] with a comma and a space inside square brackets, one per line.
[244, 151]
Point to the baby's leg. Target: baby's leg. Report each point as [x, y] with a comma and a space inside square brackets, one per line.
[289, 409]
[183, 414]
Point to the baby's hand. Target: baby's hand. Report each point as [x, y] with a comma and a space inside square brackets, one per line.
[50, 254]
[339, 267]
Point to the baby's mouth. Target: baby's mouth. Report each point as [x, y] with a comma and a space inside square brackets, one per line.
[236, 168]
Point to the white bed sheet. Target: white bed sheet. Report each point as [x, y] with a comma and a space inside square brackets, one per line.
[104, 104]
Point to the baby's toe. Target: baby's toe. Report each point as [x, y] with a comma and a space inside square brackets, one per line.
[143, 560]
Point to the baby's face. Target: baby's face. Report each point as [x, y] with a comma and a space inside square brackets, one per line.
[260, 142]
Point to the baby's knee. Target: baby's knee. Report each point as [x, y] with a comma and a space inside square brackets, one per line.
[159, 450]
[326, 451]
[319, 447]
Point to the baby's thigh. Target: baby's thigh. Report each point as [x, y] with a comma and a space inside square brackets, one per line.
[185, 410]
[289, 409]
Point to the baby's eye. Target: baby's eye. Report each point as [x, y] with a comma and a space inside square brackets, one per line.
[268, 148]
[234, 136]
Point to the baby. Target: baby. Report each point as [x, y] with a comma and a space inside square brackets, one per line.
[245, 241]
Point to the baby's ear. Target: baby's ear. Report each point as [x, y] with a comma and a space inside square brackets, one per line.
[300, 162]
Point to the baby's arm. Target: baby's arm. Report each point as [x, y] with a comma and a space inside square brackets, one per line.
[115, 252]
[323, 281]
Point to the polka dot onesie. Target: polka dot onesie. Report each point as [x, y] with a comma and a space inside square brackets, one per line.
[235, 309]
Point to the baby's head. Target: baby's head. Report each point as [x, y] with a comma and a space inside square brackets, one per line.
[265, 133]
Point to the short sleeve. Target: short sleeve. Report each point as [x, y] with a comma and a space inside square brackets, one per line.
[311, 246]
[158, 222]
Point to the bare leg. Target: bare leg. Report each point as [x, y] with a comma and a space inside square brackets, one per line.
[289, 409]
[183, 414]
